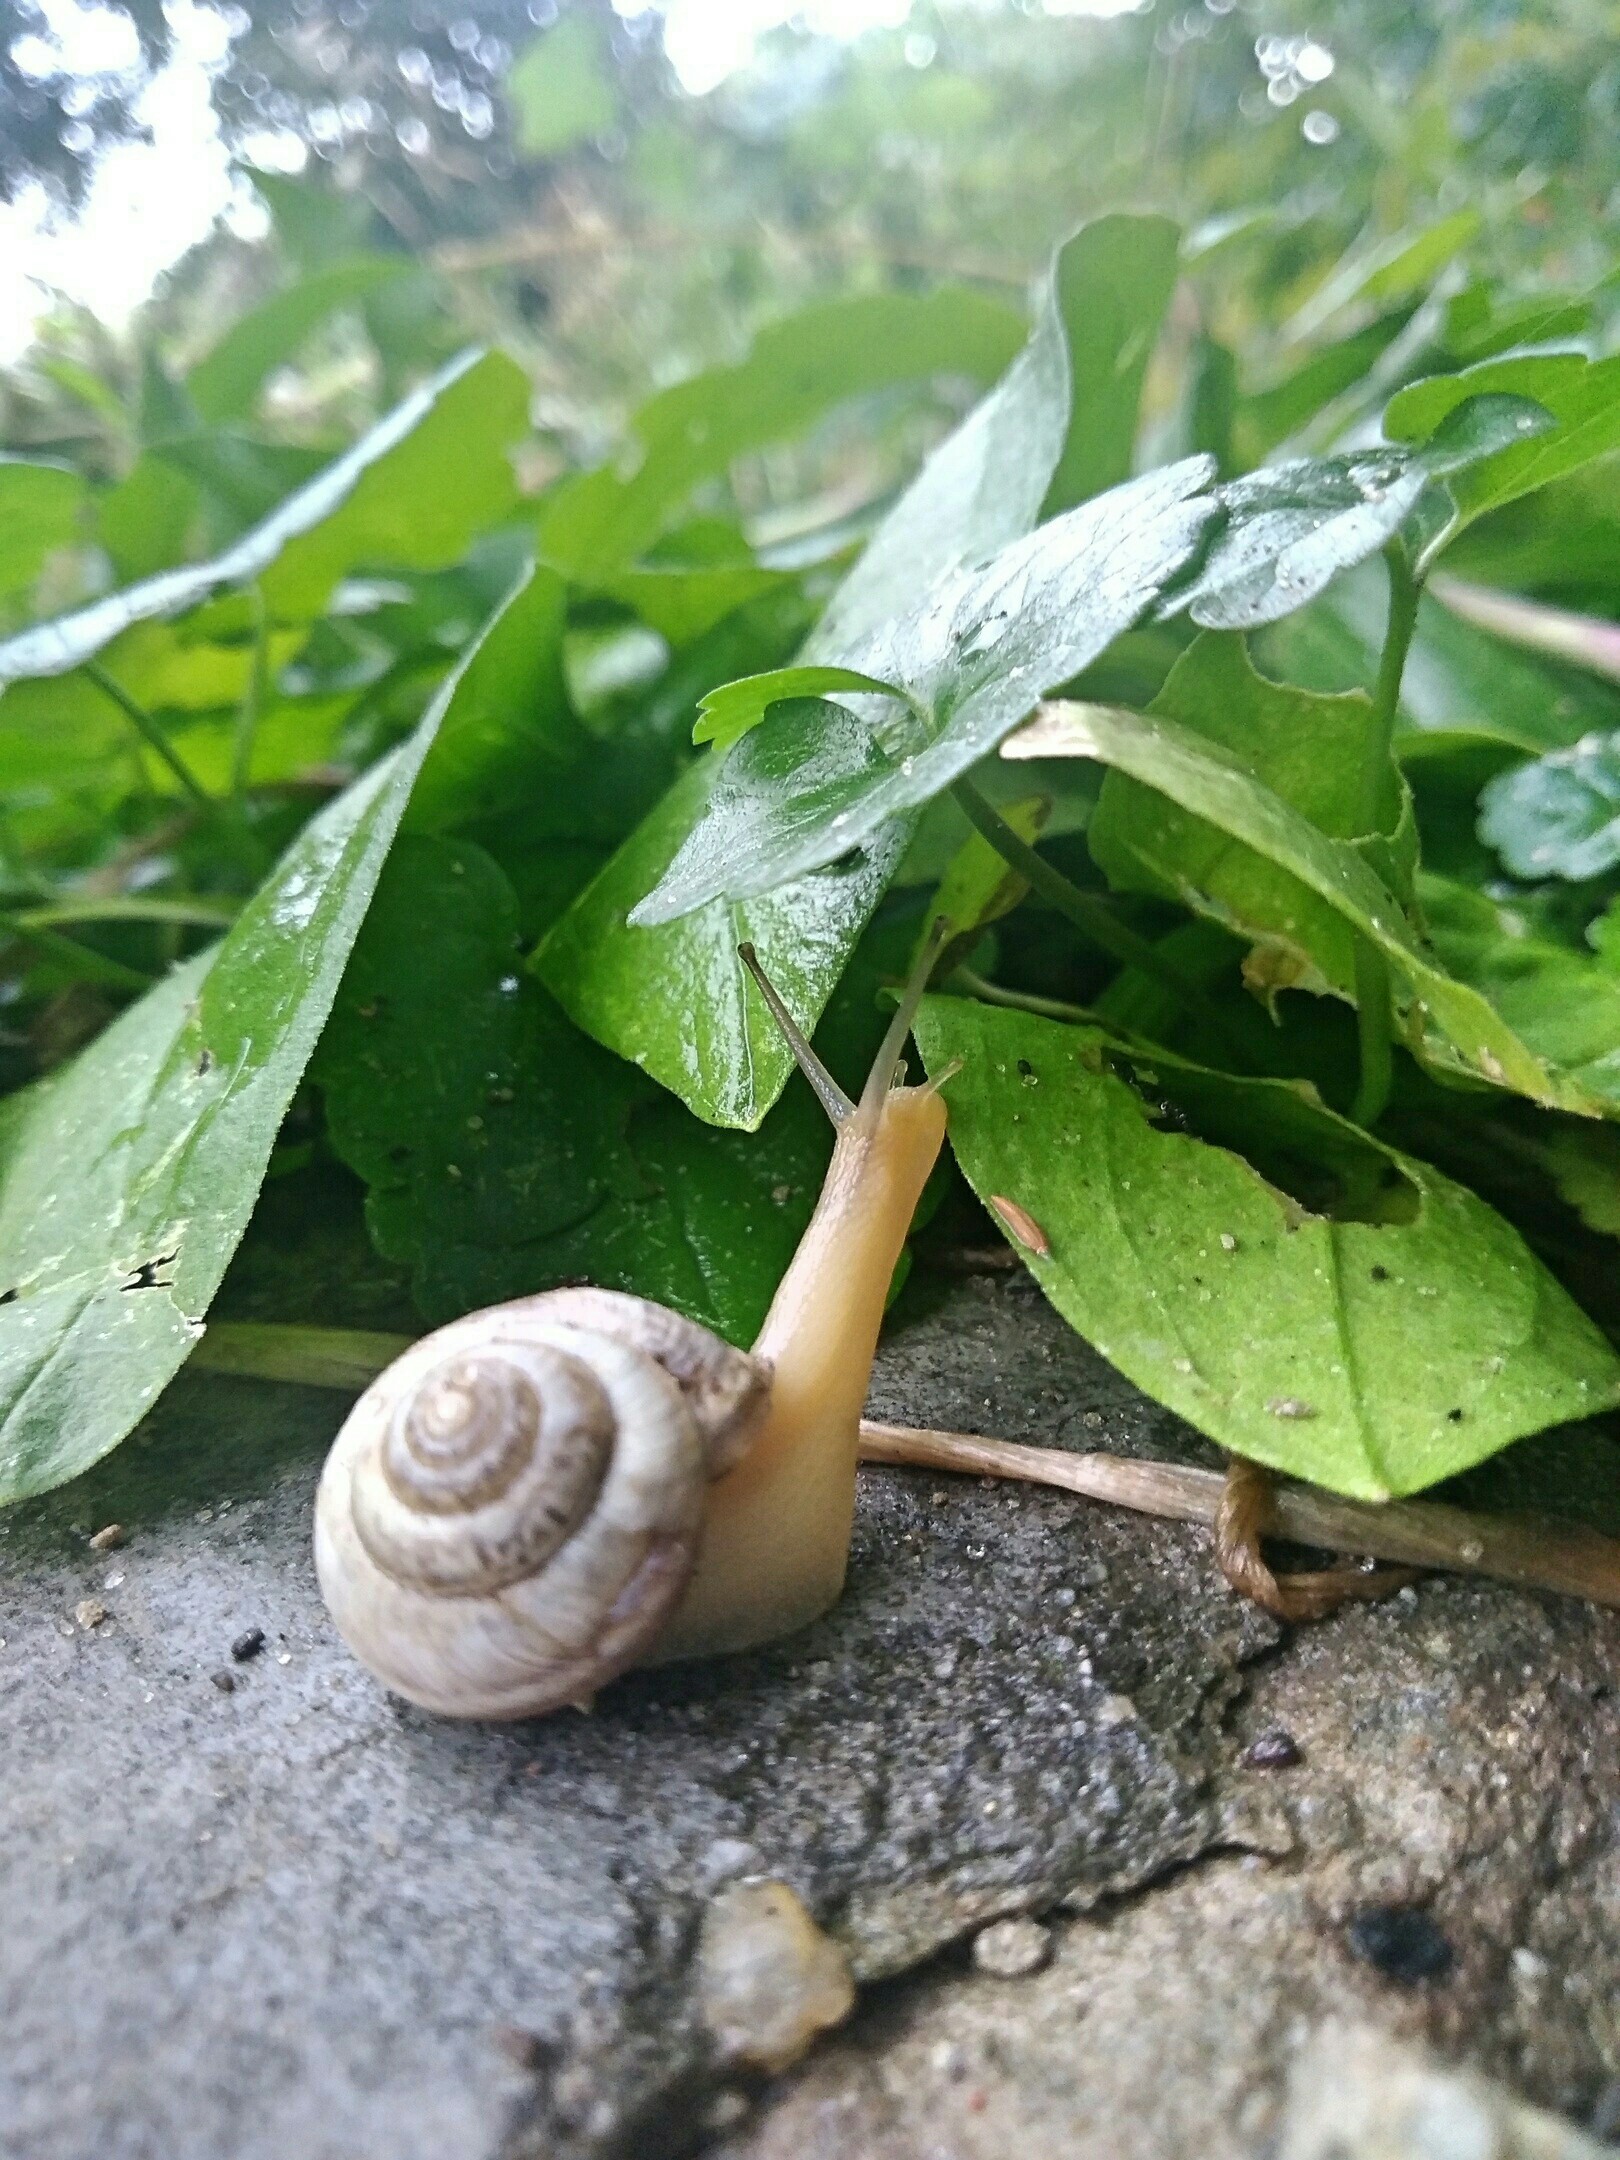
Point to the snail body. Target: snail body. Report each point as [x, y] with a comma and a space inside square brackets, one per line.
[539, 1495]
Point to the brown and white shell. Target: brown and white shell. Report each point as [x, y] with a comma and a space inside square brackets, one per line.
[513, 1508]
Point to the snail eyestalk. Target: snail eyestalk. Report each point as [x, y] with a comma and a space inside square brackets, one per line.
[828, 1093]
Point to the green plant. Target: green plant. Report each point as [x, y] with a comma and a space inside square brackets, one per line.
[1304, 1065]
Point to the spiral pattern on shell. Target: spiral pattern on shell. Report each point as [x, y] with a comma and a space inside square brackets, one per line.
[513, 1508]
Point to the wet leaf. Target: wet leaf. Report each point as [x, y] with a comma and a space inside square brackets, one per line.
[506, 1152]
[972, 657]
[412, 493]
[127, 1177]
[1308, 751]
[983, 487]
[1449, 1024]
[1583, 397]
[1382, 1332]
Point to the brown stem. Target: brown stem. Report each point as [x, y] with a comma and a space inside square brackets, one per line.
[1244, 1516]
[1534, 1555]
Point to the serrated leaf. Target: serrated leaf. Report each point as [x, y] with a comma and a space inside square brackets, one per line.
[1559, 816]
[984, 486]
[127, 1177]
[971, 657]
[1375, 1336]
[1583, 397]
[412, 492]
[1449, 1024]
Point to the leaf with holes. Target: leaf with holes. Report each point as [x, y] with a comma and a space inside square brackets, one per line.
[1304, 1295]
[127, 1177]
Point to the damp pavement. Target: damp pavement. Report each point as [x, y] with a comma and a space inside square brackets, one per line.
[1105, 1851]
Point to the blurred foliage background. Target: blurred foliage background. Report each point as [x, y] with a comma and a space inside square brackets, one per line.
[621, 195]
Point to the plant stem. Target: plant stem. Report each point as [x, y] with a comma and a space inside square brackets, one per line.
[1029, 1001]
[1537, 1555]
[1094, 918]
[200, 914]
[150, 733]
[252, 705]
[1372, 969]
[1404, 594]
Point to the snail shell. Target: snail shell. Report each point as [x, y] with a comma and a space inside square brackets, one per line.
[513, 1508]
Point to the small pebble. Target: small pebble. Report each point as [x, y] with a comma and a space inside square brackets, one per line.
[1010, 1949]
[225, 1681]
[1116, 1710]
[1403, 1941]
[769, 1980]
[283, 1657]
[1274, 1750]
[113, 1579]
[90, 1612]
[248, 1644]
[106, 1538]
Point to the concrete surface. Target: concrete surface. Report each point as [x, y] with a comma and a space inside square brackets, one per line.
[297, 1918]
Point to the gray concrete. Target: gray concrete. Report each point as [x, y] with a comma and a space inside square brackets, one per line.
[301, 1919]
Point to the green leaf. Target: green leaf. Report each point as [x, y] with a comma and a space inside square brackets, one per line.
[1289, 529]
[796, 370]
[561, 89]
[1114, 283]
[1583, 397]
[1308, 751]
[226, 384]
[1564, 1004]
[982, 487]
[40, 509]
[127, 1178]
[505, 1151]
[728, 713]
[680, 1005]
[144, 521]
[511, 735]
[1305, 1296]
[1459, 682]
[411, 493]
[971, 657]
[1385, 271]
[1450, 1026]
[1560, 816]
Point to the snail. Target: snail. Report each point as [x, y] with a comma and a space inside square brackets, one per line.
[543, 1494]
